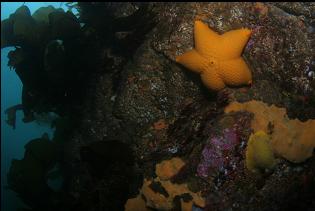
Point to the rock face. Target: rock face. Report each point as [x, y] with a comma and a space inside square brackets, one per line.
[152, 86]
[136, 94]
[150, 102]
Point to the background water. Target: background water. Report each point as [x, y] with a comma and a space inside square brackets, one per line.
[13, 141]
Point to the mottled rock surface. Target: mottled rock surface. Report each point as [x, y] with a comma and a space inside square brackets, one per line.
[138, 97]
[149, 87]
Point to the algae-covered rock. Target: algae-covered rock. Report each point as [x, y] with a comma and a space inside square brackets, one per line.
[132, 90]
[24, 27]
[55, 59]
[27, 176]
[22, 11]
[23, 24]
[47, 22]
[42, 14]
[64, 25]
[11, 114]
[43, 150]
[18, 29]
[6, 31]
[286, 61]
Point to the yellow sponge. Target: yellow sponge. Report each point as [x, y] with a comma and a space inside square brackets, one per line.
[259, 155]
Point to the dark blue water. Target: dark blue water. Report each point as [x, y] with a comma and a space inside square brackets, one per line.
[13, 140]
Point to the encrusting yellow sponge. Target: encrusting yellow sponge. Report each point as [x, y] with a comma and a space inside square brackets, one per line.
[217, 58]
[259, 155]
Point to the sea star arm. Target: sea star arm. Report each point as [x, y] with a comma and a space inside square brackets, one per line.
[212, 80]
[206, 40]
[233, 43]
[235, 72]
[193, 61]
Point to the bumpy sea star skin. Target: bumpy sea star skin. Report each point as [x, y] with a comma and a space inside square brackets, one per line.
[217, 58]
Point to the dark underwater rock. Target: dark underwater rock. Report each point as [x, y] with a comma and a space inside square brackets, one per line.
[121, 83]
[28, 177]
[110, 164]
[42, 149]
[151, 103]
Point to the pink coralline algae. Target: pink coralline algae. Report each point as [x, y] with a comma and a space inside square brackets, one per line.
[218, 154]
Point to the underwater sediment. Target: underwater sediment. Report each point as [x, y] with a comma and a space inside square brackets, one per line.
[138, 131]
